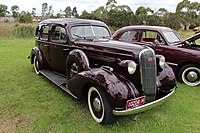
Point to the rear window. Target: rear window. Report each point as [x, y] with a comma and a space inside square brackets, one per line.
[130, 36]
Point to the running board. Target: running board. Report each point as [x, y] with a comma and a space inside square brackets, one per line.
[59, 80]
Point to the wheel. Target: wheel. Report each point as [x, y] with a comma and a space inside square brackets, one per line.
[99, 106]
[190, 74]
[73, 68]
[36, 65]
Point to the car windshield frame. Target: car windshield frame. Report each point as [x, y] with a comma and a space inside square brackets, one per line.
[90, 32]
[172, 37]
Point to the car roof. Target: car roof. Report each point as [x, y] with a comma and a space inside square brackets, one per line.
[65, 21]
[156, 28]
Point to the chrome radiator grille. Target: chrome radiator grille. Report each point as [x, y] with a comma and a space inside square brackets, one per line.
[147, 62]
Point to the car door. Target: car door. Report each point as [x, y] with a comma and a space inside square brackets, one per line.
[43, 40]
[58, 48]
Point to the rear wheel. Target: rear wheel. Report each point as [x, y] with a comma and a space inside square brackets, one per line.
[36, 65]
[190, 74]
[99, 106]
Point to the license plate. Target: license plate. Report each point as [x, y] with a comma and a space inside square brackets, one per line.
[135, 102]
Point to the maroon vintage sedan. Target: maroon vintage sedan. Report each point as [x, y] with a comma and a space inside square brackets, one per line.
[115, 78]
[182, 56]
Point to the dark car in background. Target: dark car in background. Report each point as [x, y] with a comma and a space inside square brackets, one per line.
[182, 55]
[115, 78]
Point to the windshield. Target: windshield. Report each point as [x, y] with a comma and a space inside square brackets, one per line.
[89, 31]
[171, 37]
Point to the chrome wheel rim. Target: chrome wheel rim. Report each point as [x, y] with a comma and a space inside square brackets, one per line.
[36, 65]
[74, 70]
[191, 76]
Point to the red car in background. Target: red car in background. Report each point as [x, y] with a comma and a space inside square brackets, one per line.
[182, 55]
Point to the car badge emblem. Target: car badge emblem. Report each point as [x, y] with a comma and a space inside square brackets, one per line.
[150, 60]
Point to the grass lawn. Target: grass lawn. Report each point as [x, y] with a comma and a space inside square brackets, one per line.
[31, 103]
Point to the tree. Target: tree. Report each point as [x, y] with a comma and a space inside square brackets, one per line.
[3, 10]
[161, 12]
[110, 4]
[187, 12]
[68, 12]
[86, 15]
[143, 11]
[142, 14]
[172, 20]
[44, 9]
[100, 13]
[74, 12]
[33, 12]
[117, 17]
[25, 17]
[14, 10]
[50, 12]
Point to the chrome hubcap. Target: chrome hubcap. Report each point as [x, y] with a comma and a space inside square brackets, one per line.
[97, 104]
[74, 69]
[192, 76]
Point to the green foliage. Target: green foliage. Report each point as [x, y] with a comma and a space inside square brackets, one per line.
[14, 10]
[23, 31]
[25, 17]
[3, 10]
[31, 103]
[187, 12]
[172, 20]
[44, 9]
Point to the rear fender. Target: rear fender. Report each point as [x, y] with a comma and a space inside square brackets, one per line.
[116, 88]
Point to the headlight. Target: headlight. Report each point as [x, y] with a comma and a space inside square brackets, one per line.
[131, 67]
[162, 61]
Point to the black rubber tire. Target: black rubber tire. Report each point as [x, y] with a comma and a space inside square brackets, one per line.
[36, 65]
[102, 113]
[184, 72]
[70, 62]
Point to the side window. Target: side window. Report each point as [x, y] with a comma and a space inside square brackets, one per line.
[44, 32]
[58, 34]
[130, 36]
[151, 36]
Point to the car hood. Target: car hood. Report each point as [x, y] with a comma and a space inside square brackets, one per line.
[192, 38]
[113, 46]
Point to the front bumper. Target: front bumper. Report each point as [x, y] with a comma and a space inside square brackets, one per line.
[144, 107]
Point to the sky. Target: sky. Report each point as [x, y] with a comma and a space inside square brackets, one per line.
[90, 5]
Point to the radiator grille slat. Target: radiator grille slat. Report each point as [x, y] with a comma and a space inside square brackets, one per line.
[148, 73]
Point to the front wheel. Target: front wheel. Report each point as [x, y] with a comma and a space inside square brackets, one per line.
[99, 106]
[190, 74]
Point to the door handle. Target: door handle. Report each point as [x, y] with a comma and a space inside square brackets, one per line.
[66, 49]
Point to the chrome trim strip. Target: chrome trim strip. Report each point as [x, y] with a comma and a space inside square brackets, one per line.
[144, 107]
[76, 47]
[173, 64]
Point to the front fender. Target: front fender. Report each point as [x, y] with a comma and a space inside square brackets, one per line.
[37, 52]
[116, 88]
[166, 79]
